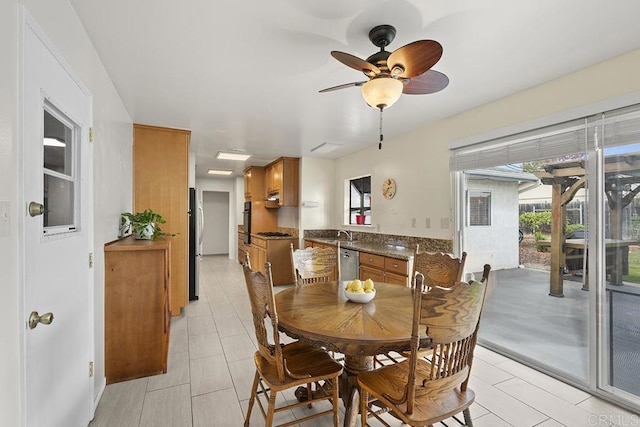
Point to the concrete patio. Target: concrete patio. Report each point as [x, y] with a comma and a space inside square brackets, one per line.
[522, 319]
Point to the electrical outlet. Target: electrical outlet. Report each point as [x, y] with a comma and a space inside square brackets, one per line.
[427, 223]
[413, 223]
[444, 223]
[378, 227]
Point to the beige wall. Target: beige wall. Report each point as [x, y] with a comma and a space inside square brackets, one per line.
[112, 176]
[419, 161]
[316, 186]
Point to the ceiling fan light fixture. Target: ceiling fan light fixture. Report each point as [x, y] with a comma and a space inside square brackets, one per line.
[382, 92]
[232, 155]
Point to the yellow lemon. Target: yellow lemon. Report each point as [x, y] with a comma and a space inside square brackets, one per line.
[356, 285]
[368, 284]
[369, 291]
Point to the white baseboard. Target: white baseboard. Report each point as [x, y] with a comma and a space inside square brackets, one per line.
[96, 401]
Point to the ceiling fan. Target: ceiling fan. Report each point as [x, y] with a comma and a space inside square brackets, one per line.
[405, 70]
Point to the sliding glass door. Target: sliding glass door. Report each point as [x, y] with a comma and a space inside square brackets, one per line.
[618, 301]
[556, 212]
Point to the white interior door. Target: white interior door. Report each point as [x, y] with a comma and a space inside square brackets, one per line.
[216, 216]
[56, 164]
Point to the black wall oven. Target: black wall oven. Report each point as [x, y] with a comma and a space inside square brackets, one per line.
[246, 220]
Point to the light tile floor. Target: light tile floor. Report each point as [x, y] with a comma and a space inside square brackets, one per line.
[211, 369]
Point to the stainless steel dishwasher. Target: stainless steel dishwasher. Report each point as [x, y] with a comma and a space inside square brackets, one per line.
[349, 264]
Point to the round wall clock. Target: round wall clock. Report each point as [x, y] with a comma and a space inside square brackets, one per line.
[389, 188]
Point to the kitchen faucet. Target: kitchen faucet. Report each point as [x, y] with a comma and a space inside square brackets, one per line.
[349, 237]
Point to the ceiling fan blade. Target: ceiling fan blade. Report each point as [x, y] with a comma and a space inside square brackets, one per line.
[415, 58]
[430, 82]
[344, 86]
[355, 63]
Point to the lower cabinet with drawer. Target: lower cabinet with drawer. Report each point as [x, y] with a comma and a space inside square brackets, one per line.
[381, 268]
[136, 305]
[276, 251]
[243, 249]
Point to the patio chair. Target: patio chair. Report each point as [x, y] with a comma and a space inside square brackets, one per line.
[280, 367]
[315, 265]
[421, 392]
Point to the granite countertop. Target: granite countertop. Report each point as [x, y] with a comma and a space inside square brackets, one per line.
[399, 252]
[260, 236]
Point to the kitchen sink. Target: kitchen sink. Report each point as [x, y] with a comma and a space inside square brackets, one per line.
[335, 241]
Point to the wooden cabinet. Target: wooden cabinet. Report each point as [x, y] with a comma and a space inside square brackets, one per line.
[160, 183]
[278, 253]
[259, 254]
[282, 179]
[262, 219]
[274, 176]
[136, 305]
[384, 269]
[254, 183]
[247, 184]
[242, 249]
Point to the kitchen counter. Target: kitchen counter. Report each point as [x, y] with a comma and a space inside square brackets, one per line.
[399, 252]
[260, 236]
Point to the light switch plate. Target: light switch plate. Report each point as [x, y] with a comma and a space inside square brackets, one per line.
[4, 218]
[444, 223]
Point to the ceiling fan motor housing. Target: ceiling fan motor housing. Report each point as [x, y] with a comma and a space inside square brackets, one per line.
[382, 35]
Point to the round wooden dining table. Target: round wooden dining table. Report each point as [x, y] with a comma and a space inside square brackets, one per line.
[321, 315]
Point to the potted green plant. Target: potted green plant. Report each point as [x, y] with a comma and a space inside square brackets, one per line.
[144, 225]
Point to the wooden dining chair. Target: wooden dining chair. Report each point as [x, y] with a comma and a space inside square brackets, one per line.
[315, 265]
[280, 367]
[421, 392]
[438, 268]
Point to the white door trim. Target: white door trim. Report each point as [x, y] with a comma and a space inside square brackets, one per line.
[28, 23]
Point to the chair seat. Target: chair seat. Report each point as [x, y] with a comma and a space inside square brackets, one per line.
[300, 358]
[429, 409]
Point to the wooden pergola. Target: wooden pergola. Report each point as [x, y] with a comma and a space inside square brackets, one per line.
[622, 176]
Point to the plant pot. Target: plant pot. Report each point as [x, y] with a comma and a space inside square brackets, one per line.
[360, 219]
[146, 233]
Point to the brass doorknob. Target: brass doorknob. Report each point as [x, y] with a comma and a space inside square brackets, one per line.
[36, 209]
[34, 319]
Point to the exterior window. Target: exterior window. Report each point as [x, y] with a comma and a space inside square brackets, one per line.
[479, 208]
[360, 201]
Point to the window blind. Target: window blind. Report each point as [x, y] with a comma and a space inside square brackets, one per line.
[621, 126]
[551, 141]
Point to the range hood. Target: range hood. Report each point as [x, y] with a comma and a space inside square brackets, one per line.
[273, 201]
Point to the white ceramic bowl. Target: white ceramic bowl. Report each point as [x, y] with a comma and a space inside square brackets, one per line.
[360, 297]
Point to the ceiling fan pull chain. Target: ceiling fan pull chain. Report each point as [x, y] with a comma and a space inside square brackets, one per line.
[381, 137]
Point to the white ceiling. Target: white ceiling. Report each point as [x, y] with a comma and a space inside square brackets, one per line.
[246, 74]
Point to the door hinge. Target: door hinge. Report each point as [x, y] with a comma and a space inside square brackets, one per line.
[91, 369]
[91, 260]
[91, 134]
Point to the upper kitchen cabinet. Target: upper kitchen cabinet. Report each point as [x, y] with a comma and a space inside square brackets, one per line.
[160, 183]
[282, 177]
[254, 177]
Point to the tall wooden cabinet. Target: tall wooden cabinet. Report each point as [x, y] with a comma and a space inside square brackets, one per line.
[160, 183]
[136, 307]
[262, 219]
